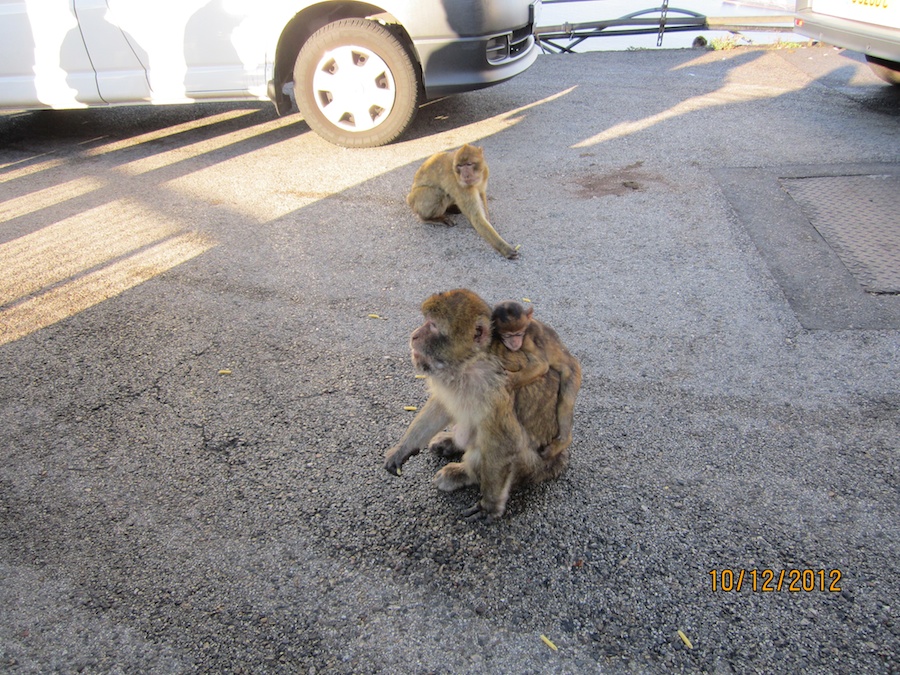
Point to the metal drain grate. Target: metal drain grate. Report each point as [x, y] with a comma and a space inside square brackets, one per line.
[859, 218]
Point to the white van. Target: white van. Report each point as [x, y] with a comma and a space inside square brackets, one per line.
[868, 26]
[357, 71]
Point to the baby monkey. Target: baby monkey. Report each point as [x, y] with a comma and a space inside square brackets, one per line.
[528, 349]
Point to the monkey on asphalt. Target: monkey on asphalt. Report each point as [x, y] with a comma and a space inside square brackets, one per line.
[528, 348]
[456, 179]
[500, 434]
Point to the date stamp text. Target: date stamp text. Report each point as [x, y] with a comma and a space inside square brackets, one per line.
[775, 581]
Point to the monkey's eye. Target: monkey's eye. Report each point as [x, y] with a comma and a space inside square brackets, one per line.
[521, 333]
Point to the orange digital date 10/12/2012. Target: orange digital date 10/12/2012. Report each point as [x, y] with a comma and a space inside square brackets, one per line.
[770, 581]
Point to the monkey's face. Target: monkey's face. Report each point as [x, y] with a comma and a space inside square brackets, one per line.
[468, 173]
[511, 321]
[437, 346]
[429, 345]
[513, 341]
[468, 163]
[457, 325]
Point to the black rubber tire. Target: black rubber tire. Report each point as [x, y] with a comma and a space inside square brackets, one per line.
[367, 36]
[889, 71]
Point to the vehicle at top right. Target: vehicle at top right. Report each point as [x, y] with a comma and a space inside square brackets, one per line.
[868, 26]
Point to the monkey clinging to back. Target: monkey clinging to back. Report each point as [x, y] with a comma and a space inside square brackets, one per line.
[457, 179]
[528, 349]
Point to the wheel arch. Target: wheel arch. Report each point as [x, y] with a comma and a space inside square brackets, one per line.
[307, 21]
[887, 70]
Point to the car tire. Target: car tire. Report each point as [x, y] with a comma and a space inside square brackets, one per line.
[889, 71]
[355, 84]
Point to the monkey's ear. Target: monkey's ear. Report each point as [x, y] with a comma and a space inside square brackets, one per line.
[483, 332]
[529, 311]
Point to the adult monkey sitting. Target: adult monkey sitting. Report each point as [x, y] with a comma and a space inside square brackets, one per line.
[457, 180]
[501, 433]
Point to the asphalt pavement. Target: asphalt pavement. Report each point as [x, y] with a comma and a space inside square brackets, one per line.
[204, 315]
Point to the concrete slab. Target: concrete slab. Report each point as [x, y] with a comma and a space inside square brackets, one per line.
[781, 215]
[859, 217]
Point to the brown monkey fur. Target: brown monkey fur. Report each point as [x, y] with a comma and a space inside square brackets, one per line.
[456, 179]
[527, 349]
[500, 436]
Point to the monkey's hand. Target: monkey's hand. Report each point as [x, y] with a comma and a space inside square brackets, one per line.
[479, 512]
[444, 447]
[557, 445]
[511, 253]
[396, 457]
[452, 477]
[442, 220]
[430, 419]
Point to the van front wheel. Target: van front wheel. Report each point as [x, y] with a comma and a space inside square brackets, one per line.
[355, 84]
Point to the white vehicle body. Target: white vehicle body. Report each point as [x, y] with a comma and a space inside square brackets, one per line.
[81, 53]
[868, 26]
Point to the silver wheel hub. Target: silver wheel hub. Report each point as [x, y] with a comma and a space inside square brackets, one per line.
[353, 88]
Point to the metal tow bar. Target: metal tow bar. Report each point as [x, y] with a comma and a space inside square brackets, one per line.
[657, 20]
